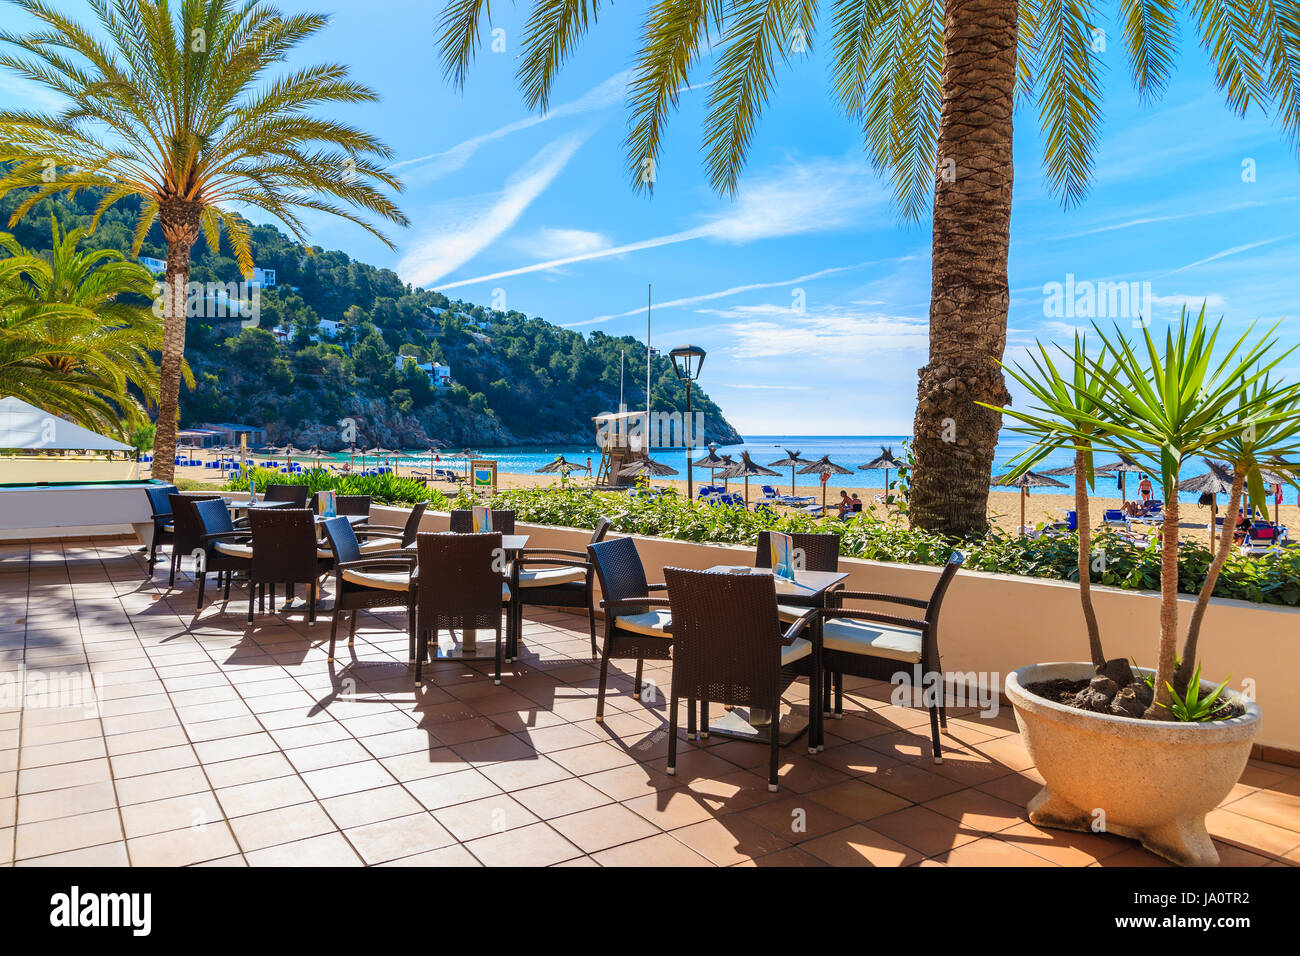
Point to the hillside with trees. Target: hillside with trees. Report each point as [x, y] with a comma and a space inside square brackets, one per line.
[515, 379]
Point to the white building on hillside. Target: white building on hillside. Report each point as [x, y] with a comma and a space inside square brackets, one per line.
[439, 374]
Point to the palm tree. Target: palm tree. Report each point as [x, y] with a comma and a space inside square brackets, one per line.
[78, 332]
[933, 85]
[179, 111]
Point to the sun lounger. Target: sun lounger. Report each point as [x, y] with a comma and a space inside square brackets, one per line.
[1114, 518]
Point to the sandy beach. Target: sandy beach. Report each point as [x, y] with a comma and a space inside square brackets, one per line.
[1004, 506]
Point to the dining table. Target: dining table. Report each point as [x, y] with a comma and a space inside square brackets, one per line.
[808, 589]
[467, 646]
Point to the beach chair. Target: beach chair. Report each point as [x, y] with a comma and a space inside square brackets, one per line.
[770, 494]
[1114, 518]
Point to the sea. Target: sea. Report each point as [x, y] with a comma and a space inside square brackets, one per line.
[848, 451]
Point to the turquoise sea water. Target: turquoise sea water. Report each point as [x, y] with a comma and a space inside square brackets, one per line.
[846, 450]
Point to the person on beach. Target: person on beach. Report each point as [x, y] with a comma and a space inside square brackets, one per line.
[1244, 527]
[857, 503]
[1144, 487]
[845, 505]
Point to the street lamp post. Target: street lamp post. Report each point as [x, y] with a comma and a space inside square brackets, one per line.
[687, 362]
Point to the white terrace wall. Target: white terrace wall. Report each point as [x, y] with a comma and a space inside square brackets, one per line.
[996, 622]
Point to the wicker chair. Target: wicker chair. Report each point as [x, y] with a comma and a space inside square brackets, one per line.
[874, 644]
[391, 537]
[548, 577]
[462, 521]
[368, 582]
[636, 624]
[284, 552]
[729, 648]
[161, 511]
[459, 585]
[293, 493]
[226, 548]
[187, 535]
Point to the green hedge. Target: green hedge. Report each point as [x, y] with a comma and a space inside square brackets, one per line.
[1270, 579]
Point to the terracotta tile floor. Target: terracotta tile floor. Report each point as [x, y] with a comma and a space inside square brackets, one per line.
[215, 742]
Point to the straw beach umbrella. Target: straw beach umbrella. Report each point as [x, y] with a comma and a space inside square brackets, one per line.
[646, 467]
[561, 466]
[746, 468]
[885, 460]
[791, 461]
[1217, 481]
[825, 467]
[713, 461]
[1123, 467]
[1030, 479]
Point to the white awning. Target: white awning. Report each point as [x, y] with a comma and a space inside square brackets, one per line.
[28, 428]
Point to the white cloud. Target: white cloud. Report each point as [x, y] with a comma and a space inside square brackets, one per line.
[436, 165]
[799, 198]
[1232, 251]
[31, 93]
[453, 243]
[833, 333]
[737, 290]
[560, 243]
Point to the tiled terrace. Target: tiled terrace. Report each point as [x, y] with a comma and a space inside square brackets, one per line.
[217, 743]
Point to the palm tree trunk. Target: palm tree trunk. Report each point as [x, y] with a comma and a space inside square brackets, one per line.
[1159, 709]
[955, 438]
[1085, 558]
[180, 227]
[1183, 675]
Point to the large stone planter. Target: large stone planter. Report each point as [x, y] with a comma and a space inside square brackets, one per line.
[1149, 780]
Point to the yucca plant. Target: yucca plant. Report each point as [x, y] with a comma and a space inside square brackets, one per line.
[177, 105]
[1169, 403]
[1267, 443]
[1071, 397]
[933, 85]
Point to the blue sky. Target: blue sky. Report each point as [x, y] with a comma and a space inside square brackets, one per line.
[808, 294]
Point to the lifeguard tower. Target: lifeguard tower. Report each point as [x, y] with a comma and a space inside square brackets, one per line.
[622, 437]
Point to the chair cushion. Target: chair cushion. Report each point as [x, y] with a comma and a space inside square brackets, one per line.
[653, 622]
[871, 639]
[795, 652]
[387, 580]
[790, 613]
[381, 544]
[545, 577]
[234, 549]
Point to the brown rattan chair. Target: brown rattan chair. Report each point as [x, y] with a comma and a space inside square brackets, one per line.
[297, 494]
[549, 577]
[636, 624]
[160, 508]
[226, 549]
[187, 535]
[729, 648]
[460, 583]
[874, 644]
[362, 582]
[284, 552]
[462, 521]
[382, 537]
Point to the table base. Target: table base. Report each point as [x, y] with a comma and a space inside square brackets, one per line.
[736, 724]
[470, 648]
